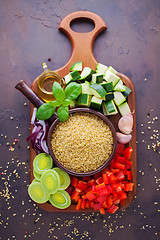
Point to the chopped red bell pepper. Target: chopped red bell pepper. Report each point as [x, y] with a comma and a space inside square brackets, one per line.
[97, 206]
[129, 175]
[109, 189]
[119, 165]
[97, 175]
[128, 164]
[101, 198]
[120, 159]
[74, 195]
[105, 178]
[122, 195]
[112, 178]
[79, 204]
[101, 189]
[99, 180]
[81, 185]
[109, 201]
[113, 209]
[120, 176]
[127, 153]
[90, 195]
[115, 170]
[83, 204]
[91, 182]
[74, 181]
[102, 211]
[86, 178]
[120, 148]
[87, 204]
[129, 187]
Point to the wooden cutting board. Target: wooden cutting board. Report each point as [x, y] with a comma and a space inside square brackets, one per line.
[82, 50]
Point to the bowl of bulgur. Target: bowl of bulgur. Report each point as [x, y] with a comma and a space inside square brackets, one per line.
[84, 144]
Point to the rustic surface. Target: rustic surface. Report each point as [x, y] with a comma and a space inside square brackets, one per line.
[29, 36]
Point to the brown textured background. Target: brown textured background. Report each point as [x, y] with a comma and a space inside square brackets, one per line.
[29, 36]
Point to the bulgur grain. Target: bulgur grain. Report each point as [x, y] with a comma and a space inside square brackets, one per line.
[83, 143]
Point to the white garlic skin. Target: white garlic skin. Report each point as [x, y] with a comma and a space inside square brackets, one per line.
[123, 138]
[125, 124]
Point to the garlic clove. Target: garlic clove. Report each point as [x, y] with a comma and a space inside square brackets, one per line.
[122, 138]
[125, 124]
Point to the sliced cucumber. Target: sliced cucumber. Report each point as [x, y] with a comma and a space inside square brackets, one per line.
[119, 98]
[86, 88]
[84, 99]
[120, 87]
[109, 96]
[97, 90]
[108, 86]
[64, 178]
[87, 73]
[109, 107]
[75, 75]
[42, 162]
[111, 77]
[101, 68]
[61, 199]
[97, 78]
[68, 78]
[124, 109]
[76, 66]
[111, 69]
[96, 103]
[127, 92]
[37, 193]
[50, 181]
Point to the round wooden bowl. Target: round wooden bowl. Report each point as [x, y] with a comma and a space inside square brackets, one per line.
[106, 120]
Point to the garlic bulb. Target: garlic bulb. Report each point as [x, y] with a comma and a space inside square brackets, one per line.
[125, 124]
[122, 138]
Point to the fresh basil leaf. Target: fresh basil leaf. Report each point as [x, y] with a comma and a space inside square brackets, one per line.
[73, 90]
[58, 92]
[66, 102]
[45, 111]
[63, 113]
[55, 103]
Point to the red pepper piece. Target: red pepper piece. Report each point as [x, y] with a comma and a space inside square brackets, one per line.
[81, 185]
[112, 178]
[120, 159]
[101, 198]
[69, 190]
[122, 195]
[87, 204]
[105, 178]
[120, 148]
[102, 211]
[97, 206]
[97, 175]
[83, 204]
[119, 165]
[109, 201]
[86, 178]
[91, 195]
[129, 175]
[127, 153]
[99, 180]
[109, 189]
[74, 194]
[91, 182]
[74, 181]
[78, 207]
[101, 189]
[91, 203]
[104, 204]
[129, 187]
[122, 201]
[128, 164]
[115, 170]
[120, 176]
[113, 209]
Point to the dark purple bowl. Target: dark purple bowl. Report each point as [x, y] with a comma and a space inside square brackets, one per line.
[106, 120]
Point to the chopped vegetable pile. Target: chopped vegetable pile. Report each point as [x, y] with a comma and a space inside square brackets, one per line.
[107, 189]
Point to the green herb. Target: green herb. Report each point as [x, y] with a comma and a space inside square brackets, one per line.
[63, 100]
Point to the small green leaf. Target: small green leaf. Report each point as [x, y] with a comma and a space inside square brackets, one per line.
[66, 102]
[55, 103]
[63, 113]
[73, 90]
[45, 111]
[58, 92]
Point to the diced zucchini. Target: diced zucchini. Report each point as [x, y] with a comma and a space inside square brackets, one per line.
[120, 87]
[87, 73]
[111, 77]
[109, 96]
[97, 78]
[96, 103]
[68, 78]
[76, 66]
[101, 68]
[108, 86]
[97, 90]
[124, 109]
[75, 75]
[109, 107]
[127, 92]
[118, 98]
[112, 70]
[86, 88]
[83, 100]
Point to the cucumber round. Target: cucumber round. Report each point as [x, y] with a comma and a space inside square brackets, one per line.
[37, 193]
[61, 199]
[42, 162]
[64, 178]
[50, 181]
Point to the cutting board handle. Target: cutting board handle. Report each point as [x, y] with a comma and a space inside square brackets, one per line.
[82, 43]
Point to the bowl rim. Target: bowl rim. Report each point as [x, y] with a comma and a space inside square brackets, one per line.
[82, 174]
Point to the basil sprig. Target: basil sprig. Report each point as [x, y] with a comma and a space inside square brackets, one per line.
[63, 99]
